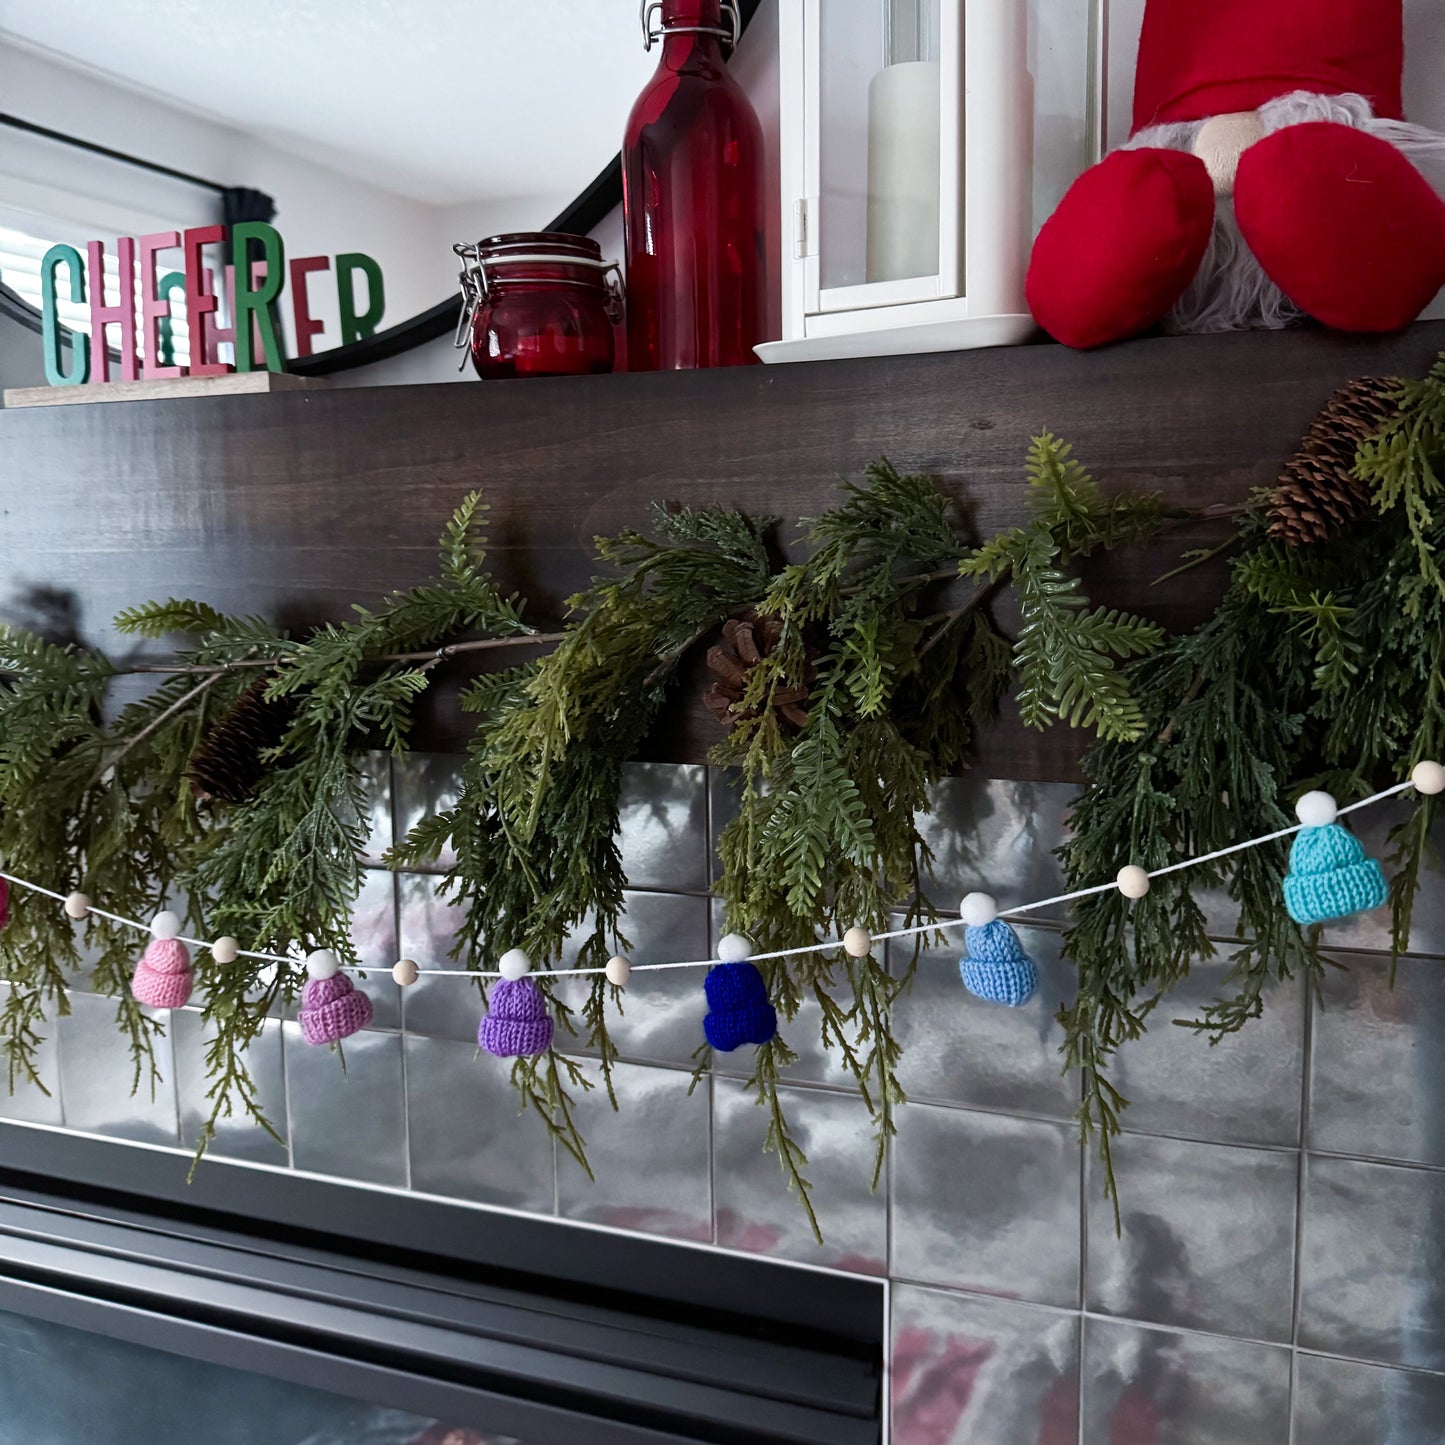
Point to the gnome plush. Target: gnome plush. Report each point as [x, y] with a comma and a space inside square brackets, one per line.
[1270, 177]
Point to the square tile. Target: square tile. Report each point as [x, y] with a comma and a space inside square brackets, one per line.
[650, 1156]
[974, 1371]
[663, 817]
[1208, 1239]
[1341, 1400]
[988, 1203]
[659, 1017]
[1246, 1089]
[347, 1120]
[1377, 1083]
[1175, 1389]
[468, 1136]
[754, 1207]
[426, 784]
[32, 1103]
[1371, 1260]
[376, 778]
[448, 1008]
[96, 1076]
[963, 1050]
[996, 836]
[724, 799]
[237, 1136]
[373, 932]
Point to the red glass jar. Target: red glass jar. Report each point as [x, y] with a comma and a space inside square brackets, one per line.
[692, 177]
[538, 303]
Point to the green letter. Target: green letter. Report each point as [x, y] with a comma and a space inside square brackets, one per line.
[50, 319]
[172, 283]
[354, 327]
[257, 303]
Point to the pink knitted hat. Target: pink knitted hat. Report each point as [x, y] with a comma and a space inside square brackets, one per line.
[332, 1010]
[163, 978]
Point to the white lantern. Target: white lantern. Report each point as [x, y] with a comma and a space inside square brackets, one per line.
[906, 176]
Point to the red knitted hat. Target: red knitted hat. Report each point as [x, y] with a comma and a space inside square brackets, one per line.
[1199, 58]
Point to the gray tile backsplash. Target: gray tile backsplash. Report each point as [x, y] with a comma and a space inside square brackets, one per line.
[1278, 1277]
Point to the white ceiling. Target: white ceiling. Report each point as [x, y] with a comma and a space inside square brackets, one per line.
[442, 101]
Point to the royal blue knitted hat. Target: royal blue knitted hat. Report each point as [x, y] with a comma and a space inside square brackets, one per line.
[739, 1011]
[995, 967]
[1330, 877]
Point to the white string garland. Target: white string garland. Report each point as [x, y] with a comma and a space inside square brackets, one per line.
[1427, 778]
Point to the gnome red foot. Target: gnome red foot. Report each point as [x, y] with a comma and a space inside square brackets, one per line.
[1270, 177]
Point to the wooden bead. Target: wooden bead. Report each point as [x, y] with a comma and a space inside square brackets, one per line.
[857, 942]
[77, 905]
[619, 970]
[1133, 881]
[404, 972]
[1428, 778]
[225, 949]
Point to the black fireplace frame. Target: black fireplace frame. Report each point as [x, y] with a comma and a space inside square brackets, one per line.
[528, 1327]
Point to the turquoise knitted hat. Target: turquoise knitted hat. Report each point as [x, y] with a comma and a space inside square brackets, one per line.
[1330, 877]
[995, 966]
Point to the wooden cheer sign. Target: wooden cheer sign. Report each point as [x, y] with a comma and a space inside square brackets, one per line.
[252, 284]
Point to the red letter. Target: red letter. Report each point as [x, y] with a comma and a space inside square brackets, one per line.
[201, 302]
[306, 328]
[122, 314]
[153, 307]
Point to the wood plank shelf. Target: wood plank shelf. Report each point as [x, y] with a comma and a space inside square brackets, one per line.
[297, 504]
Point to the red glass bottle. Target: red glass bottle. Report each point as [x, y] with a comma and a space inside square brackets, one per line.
[692, 177]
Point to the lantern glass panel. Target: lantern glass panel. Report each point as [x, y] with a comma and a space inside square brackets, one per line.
[879, 139]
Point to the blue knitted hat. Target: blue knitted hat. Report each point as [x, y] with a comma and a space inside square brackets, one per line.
[1330, 877]
[739, 1009]
[995, 966]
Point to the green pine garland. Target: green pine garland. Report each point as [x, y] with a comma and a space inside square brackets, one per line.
[1324, 666]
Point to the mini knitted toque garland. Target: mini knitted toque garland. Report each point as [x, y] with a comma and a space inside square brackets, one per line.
[1329, 876]
[994, 966]
[737, 998]
[332, 1008]
[163, 978]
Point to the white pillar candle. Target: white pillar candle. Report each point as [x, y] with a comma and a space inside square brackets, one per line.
[903, 169]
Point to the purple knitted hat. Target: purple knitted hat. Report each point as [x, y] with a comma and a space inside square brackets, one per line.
[163, 977]
[332, 1010]
[517, 1022]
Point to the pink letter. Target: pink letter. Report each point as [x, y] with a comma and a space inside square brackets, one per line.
[306, 328]
[153, 307]
[122, 314]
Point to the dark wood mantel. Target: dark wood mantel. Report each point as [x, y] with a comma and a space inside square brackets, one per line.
[298, 504]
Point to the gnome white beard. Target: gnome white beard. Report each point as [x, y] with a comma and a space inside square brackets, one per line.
[1230, 291]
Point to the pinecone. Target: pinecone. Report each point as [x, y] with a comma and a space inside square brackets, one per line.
[1318, 495]
[227, 766]
[746, 641]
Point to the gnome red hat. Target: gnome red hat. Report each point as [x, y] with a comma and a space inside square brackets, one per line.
[1270, 178]
[1199, 58]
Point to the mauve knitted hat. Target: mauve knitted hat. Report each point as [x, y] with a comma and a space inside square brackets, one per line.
[1330, 877]
[517, 1023]
[740, 1012]
[163, 978]
[995, 966]
[333, 1009]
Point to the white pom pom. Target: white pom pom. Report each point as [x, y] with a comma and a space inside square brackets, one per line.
[857, 943]
[322, 964]
[77, 905]
[165, 924]
[1428, 778]
[1133, 881]
[619, 970]
[514, 964]
[1317, 810]
[978, 910]
[404, 972]
[734, 947]
[225, 949]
